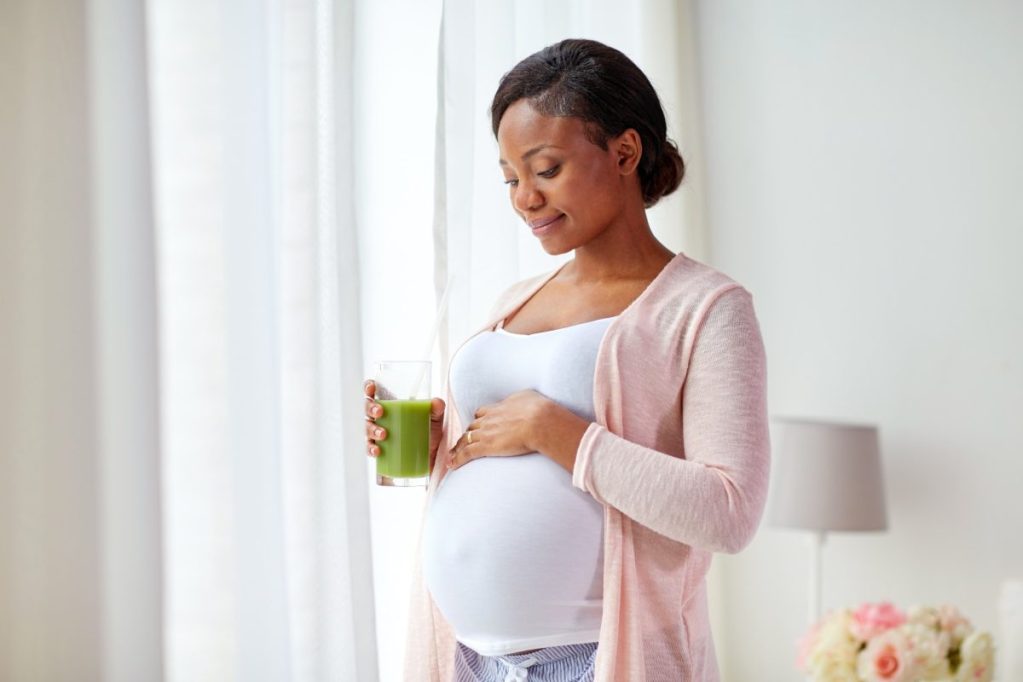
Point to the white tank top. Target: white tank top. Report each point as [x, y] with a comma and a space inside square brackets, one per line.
[512, 552]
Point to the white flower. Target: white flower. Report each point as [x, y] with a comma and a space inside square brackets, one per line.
[978, 658]
[924, 615]
[950, 620]
[833, 656]
[928, 651]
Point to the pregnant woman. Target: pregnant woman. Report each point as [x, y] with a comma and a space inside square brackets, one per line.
[605, 432]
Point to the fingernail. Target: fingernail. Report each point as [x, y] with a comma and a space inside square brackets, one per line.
[379, 433]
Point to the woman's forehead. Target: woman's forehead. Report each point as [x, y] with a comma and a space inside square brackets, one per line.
[524, 131]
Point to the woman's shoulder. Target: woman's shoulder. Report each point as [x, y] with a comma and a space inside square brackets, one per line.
[688, 295]
[688, 282]
[688, 269]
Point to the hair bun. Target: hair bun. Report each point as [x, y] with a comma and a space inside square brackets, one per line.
[668, 171]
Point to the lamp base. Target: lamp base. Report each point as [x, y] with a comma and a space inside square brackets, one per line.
[813, 613]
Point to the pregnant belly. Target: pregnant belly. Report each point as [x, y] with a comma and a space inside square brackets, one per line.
[511, 550]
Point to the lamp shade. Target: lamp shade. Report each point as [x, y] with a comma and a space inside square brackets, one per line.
[827, 477]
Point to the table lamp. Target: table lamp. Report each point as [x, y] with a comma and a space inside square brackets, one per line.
[827, 477]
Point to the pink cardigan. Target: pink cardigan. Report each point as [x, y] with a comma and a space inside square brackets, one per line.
[679, 457]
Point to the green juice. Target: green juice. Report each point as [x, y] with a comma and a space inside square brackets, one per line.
[405, 453]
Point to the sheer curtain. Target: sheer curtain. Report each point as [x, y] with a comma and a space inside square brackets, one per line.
[267, 571]
[394, 119]
[183, 488]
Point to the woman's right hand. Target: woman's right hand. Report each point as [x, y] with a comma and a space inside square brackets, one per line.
[375, 434]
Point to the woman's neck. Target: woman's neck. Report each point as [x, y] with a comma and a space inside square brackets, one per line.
[622, 254]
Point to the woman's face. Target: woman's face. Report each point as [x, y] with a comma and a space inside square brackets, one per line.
[567, 189]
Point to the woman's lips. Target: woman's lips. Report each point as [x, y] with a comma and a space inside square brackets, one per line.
[543, 227]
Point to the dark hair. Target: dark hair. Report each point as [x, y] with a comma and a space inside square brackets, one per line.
[604, 88]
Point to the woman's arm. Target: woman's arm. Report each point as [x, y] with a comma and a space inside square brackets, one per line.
[714, 498]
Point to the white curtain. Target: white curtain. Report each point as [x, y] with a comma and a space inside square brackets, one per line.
[265, 504]
[393, 124]
[183, 486]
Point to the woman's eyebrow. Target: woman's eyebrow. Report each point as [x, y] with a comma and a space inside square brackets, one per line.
[531, 152]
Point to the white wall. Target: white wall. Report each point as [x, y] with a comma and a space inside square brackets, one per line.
[50, 545]
[79, 457]
[864, 163]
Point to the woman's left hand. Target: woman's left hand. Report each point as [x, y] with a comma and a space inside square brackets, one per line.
[504, 429]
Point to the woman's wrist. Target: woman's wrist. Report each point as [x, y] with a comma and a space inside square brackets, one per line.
[557, 434]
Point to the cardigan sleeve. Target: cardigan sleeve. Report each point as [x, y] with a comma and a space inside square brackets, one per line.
[713, 499]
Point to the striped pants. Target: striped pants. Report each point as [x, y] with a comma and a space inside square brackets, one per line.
[569, 663]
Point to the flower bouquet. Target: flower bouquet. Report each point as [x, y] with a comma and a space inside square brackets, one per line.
[879, 642]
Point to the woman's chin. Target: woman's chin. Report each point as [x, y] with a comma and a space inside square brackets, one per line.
[556, 247]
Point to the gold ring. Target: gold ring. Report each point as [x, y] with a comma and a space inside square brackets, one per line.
[468, 437]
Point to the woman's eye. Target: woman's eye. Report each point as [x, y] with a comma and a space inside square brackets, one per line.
[550, 173]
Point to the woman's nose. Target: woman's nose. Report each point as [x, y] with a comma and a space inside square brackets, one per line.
[528, 198]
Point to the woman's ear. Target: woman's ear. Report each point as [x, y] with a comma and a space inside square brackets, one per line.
[629, 149]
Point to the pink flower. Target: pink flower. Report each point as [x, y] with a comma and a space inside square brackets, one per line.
[885, 662]
[870, 620]
[887, 659]
[805, 645]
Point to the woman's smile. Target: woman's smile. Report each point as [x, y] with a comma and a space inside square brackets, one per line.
[542, 226]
